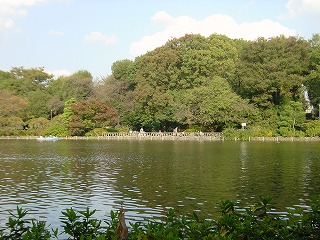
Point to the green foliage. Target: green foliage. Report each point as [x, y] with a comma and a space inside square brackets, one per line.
[38, 104]
[37, 75]
[81, 224]
[292, 117]
[313, 128]
[11, 125]
[313, 82]
[38, 231]
[248, 132]
[79, 86]
[214, 82]
[37, 125]
[123, 71]
[17, 224]
[57, 127]
[110, 129]
[96, 132]
[212, 105]
[235, 222]
[67, 111]
[272, 70]
[19, 228]
[194, 128]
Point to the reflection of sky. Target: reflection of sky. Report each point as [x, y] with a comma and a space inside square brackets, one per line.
[243, 154]
[243, 176]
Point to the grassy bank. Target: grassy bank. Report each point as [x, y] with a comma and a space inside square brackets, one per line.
[252, 222]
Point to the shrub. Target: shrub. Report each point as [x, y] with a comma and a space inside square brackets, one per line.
[252, 222]
[313, 128]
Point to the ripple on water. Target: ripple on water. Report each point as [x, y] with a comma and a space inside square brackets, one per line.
[104, 176]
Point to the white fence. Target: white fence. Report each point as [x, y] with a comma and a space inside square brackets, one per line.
[163, 135]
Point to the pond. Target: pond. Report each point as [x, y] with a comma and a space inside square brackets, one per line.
[146, 177]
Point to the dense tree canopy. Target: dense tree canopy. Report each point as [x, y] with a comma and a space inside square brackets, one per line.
[12, 111]
[272, 70]
[213, 105]
[314, 65]
[213, 83]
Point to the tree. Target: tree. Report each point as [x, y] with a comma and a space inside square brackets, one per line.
[12, 111]
[313, 82]
[313, 128]
[56, 127]
[90, 114]
[212, 105]
[124, 70]
[159, 68]
[38, 123]
[11, 104]
[38, 104]
[198, 58]
[79, 86]
[152, 108]
[36, 75]
[67, 111]
[183, 63]
[271, 71]
[119, 94]
[292, 117]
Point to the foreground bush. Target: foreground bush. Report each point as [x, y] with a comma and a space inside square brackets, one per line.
[253, 222]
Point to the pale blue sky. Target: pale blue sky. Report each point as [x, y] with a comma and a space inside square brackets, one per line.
[65, 36]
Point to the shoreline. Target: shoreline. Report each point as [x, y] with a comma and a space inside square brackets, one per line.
[207, 136]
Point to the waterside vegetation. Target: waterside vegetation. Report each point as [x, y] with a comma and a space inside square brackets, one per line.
[193, 83]
[251, 222]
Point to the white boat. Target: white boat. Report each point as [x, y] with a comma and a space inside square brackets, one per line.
[47, 138]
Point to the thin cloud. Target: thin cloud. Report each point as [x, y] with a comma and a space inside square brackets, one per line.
[60, 72]
[10, 10]
[297, 7]
[162, 17]
[8, 23]
[218, 23]
[55, 33]
[100, 37]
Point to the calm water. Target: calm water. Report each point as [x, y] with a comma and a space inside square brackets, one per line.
[147, 177]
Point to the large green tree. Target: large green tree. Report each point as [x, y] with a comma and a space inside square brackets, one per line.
[313, 83]
[30, 84]
[162, 74]
[79, 86]
[273, 70]
[292, 117]
[213, 106]
[37, 75]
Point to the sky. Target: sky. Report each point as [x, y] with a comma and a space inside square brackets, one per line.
[65, 36]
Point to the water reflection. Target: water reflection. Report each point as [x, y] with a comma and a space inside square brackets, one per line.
[147, 177]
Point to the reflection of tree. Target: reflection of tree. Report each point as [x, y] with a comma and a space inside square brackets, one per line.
[155, 174]
[173, 173]
[274, 169]
[200, 175]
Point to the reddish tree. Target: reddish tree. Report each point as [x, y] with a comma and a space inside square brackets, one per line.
[90, 114]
